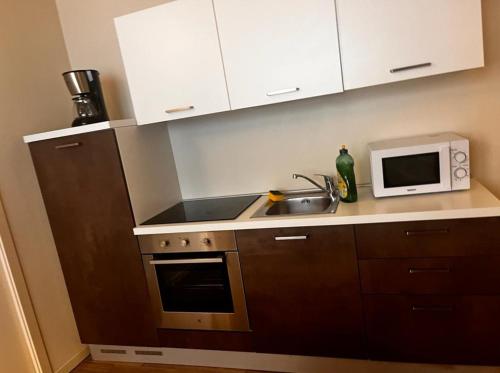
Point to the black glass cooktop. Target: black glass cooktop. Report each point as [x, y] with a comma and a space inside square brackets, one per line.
[224, 208]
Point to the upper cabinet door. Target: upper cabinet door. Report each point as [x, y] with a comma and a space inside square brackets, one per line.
[278, 50]
[173, 61]
[384, 41]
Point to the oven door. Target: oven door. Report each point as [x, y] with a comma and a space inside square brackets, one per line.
[411, 170]
[201, 291]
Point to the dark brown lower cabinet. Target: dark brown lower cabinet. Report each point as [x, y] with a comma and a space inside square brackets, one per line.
[87, 202]
[478, 275]
[440, 329]
[302, 290]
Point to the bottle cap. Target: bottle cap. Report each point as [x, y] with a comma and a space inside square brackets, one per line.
[343, 150]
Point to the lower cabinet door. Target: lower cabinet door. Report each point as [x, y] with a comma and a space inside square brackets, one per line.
[439, 329]
[302, 290]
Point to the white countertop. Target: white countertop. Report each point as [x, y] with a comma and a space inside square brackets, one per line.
[78, 130]
[474, 203]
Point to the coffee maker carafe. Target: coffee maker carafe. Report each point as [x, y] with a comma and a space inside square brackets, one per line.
[85, 87]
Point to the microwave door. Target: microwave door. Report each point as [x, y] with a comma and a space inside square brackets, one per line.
[427, 171]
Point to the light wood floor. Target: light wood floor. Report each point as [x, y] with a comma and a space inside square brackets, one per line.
[99, 367]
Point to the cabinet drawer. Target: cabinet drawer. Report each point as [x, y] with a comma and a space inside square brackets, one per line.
[459, 275]
[439, 238]
[433, 328]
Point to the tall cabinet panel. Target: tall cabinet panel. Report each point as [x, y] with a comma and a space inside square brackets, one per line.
[87, 203]
[383, 41]
[278, 50]
[173, 61]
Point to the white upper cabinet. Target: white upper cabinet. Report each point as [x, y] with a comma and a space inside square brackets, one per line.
[173, 61]
[384, 41]
[278, 50]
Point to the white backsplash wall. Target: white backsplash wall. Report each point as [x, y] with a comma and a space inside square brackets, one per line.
[255, 150]
[258, 149]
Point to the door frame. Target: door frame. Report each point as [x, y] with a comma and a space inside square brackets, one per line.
[16, 283]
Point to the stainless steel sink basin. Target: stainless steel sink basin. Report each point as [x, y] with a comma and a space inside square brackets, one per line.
[299, 204]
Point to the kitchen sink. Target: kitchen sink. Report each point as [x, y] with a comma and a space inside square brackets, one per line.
[299, 204]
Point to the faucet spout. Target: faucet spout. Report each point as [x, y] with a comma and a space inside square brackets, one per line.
[299, 176]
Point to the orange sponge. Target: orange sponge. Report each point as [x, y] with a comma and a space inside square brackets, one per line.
[276, 195]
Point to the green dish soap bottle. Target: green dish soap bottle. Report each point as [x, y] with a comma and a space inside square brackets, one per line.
[346, 177]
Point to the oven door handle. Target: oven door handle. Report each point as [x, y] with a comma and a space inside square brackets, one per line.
[187, 261]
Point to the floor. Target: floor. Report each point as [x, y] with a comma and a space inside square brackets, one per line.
[100, 367]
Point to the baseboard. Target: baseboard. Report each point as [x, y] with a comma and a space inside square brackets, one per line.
[265, 362]
[74, 361]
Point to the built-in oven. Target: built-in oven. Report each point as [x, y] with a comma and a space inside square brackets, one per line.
[195, 281]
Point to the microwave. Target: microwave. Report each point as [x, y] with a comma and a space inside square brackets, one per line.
[420, 164]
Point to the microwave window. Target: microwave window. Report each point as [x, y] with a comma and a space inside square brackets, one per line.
[410, 170]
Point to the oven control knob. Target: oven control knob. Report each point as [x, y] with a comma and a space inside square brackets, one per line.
[184, 242]
[206, 241]
[460, 173]
[164, 243]
[460, 157]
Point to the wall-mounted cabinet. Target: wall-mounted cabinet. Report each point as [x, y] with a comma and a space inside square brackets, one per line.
[172, 60]
[279, 50]
[384, 41]
[193, 57]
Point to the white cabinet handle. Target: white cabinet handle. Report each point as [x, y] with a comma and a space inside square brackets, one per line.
[283, 91]
[179, 109]
[291, 238]
[411, 67]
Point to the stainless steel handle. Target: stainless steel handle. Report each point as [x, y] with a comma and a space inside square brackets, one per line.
[179, 109]
[187, 261]
[283, 91]
[411, 67]
[66, 146]
[291, 238]
[429, 232]
[428, 270]
[432, 308]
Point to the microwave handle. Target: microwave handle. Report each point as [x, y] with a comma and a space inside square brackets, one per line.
[187, 261]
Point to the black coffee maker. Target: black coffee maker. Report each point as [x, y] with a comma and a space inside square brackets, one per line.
[85, 87]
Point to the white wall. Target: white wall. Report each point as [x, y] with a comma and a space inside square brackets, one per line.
[33, 98]
[258, 149]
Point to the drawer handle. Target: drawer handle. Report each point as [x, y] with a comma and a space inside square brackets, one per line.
[427, 232]
[411, 67]
[179, 109]
[432, 309]
[291, 238]
[283, 91]
[412, 271]
[67, 146]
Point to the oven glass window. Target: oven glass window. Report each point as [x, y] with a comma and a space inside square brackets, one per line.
[195, 287]
[409, 170]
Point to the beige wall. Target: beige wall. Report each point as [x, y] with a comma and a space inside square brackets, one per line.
[33, 99]
[14, 353]
[258, 149]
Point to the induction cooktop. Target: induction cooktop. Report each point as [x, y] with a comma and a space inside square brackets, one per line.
[223, 208]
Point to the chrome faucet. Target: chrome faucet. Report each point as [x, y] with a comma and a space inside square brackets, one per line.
[330, 187]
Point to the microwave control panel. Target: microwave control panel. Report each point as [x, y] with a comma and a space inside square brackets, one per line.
[460, 165]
